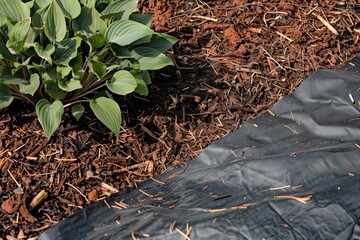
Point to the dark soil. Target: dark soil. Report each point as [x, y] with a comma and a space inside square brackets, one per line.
[234, 60]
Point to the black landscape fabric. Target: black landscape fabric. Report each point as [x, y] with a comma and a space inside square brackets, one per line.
[292, 173]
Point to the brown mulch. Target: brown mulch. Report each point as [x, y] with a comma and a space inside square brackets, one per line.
[235, 59]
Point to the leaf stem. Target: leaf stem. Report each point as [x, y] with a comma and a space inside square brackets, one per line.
[74, 102]
[84, 94]
[24, 97]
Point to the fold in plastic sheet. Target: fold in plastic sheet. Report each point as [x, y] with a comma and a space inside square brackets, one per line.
[292, 173]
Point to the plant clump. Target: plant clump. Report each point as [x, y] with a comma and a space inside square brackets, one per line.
[64, 53]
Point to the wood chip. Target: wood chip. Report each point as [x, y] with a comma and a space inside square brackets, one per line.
[41, 196]
[255, 30]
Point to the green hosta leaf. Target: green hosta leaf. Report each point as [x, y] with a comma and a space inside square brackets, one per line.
[98, 68]
[11, 80]
[108, 112]
[103, 94]
[5, 70]
[70, 8]
[161, 42]
[125, 32]
[93, 40]
[77, 111]
[88, 3]
[141, 87]
[142, 40]
[39, 17]
[113, 67]
[89, 21]
[66, 50]
[51, 75]
[122, 9]
[3, 20]
[77, 67]
[96, 40]
[102, 4]
[144, 75]
[63, 71]
[53, 89]
[141, 18]
[55, 25]
[50, 115]
[150, 59]
[44, 53]
[122, 83]
[15, 10]
[17, 36]
[31, 86]
[120, 52]
[4, 51]
[123, 65]
[19, 66]
[5, 96]
[30, 3]
[30, 39]
[43, 3]
[70, 85]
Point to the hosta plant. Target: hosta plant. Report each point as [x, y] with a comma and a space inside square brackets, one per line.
[59, 54]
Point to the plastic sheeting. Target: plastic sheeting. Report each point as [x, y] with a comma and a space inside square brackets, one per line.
[292, 173]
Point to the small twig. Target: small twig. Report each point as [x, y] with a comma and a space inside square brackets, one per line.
[146, 194]
[280, 188]
[107, 204]
[205, 18]
[326, 23]
[277, 63]
[132, 167]
[299, 199]
[38, 149]
[183, 234]
[294, 131]
[153, 136]
[351, 98]
[172, 225]
[122, 204]
[133, 236]
[17, 183]
[284, 36]
[78, 191]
